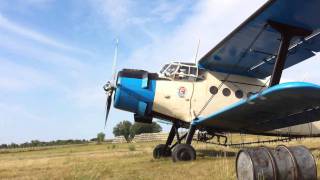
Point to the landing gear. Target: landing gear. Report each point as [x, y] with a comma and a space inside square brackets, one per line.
[178, 151]
[161, 150]
[183, 152]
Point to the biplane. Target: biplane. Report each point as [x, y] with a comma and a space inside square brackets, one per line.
[235, 87]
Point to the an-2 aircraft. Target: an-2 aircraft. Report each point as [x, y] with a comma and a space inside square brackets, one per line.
[236, 86]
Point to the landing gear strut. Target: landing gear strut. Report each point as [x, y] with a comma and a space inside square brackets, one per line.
[185, 152]
[164, 150]
[178, 151]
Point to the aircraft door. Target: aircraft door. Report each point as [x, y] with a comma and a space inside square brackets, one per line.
[173, 99]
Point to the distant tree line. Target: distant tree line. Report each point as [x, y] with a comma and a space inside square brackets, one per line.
[124, 128]
[36, 143]
[129, 130]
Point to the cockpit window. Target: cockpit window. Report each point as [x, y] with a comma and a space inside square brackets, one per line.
[180, 71]
[193, 71]
[183, 71]
[171, 69]
[164, 68]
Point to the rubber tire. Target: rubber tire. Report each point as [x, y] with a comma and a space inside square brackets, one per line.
[183, 152]
[161, 150]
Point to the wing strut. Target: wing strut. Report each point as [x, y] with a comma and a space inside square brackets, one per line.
[287, 33]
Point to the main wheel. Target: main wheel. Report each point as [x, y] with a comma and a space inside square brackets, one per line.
[161, 150]
[183, 152]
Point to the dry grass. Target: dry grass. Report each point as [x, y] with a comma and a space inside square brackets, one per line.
[108, 161]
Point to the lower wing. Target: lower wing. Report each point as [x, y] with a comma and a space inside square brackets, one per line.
[280, 106]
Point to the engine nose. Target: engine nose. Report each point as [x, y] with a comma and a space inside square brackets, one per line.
[135, 91]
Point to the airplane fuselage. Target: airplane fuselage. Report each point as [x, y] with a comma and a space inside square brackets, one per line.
[213, 93]
[184, 99]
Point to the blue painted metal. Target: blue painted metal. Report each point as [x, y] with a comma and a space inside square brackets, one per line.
[250, 49]
[145, 81]
[142, 107]
[280, 106]
[130, 96]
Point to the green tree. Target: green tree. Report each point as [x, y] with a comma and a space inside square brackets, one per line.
[123, 129]
[35, 143]
[100, 137]
[139, 128]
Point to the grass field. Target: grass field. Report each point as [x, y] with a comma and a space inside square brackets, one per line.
[124, 161]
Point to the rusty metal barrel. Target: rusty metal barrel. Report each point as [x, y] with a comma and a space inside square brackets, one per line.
[281, 163]
[255, 163]
[295, 163]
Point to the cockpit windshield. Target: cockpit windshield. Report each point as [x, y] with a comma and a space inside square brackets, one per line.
[164, 68]
[180, 71]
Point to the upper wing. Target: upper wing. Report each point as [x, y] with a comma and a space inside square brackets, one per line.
[250, 50]
[280, 106]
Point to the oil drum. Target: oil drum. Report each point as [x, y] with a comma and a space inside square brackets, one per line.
[302, 165]
[281, 163]
[255, 163]
[285, 163]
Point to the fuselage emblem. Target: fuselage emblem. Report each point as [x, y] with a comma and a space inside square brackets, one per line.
[182, 92]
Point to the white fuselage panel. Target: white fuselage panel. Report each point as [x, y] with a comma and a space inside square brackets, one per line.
[184, 100]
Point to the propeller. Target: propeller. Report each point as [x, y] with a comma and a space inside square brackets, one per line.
[110, 87]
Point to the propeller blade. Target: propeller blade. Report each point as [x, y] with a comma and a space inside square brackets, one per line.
[108, 106]
[114, 64]
[111, 86]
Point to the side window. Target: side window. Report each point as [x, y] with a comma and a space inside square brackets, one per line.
[239, 94]
[213, 90]
[226, 92]
[183, 70]
[193, 71]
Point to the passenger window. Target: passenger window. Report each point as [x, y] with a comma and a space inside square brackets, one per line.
[213, 90]
[239, 94]
[226, 92]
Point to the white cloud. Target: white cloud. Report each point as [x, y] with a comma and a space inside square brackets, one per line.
[15, 77]
[117, 12]
[169, 10]
[210, 22]
[36, 36]
[30, 50]
[122, 15]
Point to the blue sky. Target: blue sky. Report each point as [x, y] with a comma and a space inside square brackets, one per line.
[55, 56]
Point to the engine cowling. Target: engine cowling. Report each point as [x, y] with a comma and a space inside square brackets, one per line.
[135, 93]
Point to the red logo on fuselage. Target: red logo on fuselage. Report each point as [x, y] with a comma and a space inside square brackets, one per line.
[182, 92]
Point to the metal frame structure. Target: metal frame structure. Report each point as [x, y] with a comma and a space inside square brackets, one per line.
[287, 33]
